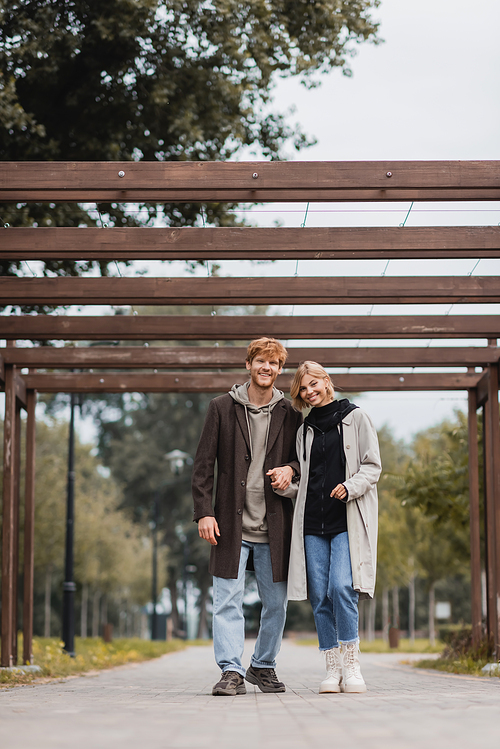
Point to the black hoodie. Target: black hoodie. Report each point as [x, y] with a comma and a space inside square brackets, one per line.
[325, 515]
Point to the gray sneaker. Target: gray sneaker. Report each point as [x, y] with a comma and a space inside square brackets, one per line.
[231, 683]
[265, 679]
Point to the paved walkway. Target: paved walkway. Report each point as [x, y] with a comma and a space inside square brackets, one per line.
[167, 703]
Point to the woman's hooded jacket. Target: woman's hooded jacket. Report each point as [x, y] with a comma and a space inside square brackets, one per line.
[362, 470]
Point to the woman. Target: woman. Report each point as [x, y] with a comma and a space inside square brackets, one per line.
[334, 537]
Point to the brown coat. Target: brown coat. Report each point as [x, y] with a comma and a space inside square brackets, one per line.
[225, 440]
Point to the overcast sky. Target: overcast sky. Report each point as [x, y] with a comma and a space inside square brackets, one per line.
[430, 91]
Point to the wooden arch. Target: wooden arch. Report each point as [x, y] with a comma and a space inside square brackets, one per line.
[191, 369]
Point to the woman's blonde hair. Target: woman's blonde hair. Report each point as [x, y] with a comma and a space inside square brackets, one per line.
[310, 368]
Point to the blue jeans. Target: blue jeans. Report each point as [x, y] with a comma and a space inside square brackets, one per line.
[228, 620]
[333, 599]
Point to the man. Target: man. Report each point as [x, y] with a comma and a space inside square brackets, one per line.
[250, 433]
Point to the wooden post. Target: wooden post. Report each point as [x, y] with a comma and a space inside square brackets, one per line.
[29, 530]
[8, 517]
[475, 537]
[489, 521]
[494, 478]
[15, 545]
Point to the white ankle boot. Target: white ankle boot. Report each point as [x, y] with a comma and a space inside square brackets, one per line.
[333, 681]
[353, 681]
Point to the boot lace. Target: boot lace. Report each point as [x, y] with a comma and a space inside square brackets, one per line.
[351, 662]
[333, 662]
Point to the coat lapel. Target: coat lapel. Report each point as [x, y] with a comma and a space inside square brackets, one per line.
[240, 418]
[277, 418]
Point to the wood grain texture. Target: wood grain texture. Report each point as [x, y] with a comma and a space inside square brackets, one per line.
[182, 382]
[250, 181]
[328, 243]
[233, 357]
[252, 290]
[201, 327]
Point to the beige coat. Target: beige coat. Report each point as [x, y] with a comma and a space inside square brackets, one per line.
[363, 469]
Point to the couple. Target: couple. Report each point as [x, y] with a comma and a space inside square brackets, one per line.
[265, 458]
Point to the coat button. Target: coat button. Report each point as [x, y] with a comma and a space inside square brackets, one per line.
[347, 447]
[243, 483]
[239, 512]
[247, 457]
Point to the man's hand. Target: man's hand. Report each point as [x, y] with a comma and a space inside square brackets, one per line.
[208, 529]
[280, 477]
[340, 492]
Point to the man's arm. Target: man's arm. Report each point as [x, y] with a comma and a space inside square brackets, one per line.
[204, 463]
[281, 476]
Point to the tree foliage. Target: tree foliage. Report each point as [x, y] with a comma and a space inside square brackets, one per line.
[112, 553]
[134, 446]
[155, 80]
[393, 542]
[436, 481]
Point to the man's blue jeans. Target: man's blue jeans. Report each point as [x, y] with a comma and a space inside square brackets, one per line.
[228, 620]
[333, 599]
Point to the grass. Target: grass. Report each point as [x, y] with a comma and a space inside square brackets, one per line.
[461, 656]
[462, 665]
[421, 645]
[92, 654]
[453, 660]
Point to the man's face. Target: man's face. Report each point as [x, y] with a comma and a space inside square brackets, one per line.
[264, 370]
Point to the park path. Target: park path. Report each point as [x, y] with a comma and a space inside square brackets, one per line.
[168, 703]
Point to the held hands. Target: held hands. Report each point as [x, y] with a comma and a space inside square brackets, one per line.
[208, 529]
[340, 492]
[280, 477]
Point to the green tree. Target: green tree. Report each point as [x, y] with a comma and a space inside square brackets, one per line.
[436, 481]
[112, 552]
[394, 547]
[134, 446]
[435, 493]
[156, 80]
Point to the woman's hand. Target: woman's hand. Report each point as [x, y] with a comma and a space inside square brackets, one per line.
[280, 477]
[340, 492]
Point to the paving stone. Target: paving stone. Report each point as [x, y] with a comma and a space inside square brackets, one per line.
[167, 703]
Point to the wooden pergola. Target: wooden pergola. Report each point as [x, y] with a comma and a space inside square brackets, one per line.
[201, 369]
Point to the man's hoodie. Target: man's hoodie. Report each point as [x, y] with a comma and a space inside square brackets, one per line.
[258, 421]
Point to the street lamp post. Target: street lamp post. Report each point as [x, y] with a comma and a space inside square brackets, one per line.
[154, 596]
[69, 587]
[177, 460]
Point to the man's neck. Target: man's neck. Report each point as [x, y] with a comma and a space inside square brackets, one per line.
[259, 396]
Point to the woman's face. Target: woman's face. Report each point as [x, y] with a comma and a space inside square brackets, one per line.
[313, 390]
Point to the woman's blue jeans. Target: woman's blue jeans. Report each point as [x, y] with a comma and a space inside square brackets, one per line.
[228, 620]
[333, 599]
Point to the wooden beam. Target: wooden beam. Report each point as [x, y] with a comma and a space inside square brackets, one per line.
[252, 290]
[340, 243]
[15, 563]
[249, 181]
[182, 382]
[207, 327]
[29, 531]
[231, 357]
[490, 415]
[21, 391]
[8, 519]
[475, 521]
[482, 389]
[492, 451]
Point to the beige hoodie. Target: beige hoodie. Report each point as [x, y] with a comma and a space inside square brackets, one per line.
[258, 421]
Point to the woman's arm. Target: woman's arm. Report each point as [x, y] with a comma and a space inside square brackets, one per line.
[370, 466]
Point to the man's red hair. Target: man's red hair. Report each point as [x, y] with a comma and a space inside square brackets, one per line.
[268, 347]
